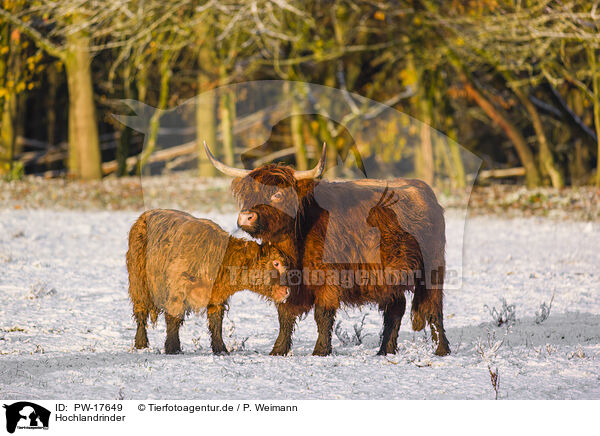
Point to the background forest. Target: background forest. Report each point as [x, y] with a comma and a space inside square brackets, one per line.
[516, 82]
[495, 103]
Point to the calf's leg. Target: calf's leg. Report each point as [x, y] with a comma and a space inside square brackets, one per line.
[324, 318]
[141, 337]
[215, 315]
[287, 321]
[392, 317]
[172, 344]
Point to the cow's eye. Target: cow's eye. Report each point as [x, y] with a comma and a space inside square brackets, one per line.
[278, 196]
[276, 263]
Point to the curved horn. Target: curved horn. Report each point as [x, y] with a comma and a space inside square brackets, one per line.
[317, 170]
[230, 171]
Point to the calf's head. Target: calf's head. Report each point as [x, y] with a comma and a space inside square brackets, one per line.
[275, 266]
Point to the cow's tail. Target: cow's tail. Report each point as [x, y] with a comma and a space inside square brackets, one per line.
[139, 292]
[427, 305]
[429, 293]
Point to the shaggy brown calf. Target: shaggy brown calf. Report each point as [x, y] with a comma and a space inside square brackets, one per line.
[180, 264]
[322, 227]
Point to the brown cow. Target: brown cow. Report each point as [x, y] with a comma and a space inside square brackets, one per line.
[179, 264]
[322, 226]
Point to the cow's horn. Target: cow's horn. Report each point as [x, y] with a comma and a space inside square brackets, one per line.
[230, 171]
[317, 170]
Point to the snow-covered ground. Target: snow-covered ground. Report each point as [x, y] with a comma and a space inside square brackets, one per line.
[66, 330]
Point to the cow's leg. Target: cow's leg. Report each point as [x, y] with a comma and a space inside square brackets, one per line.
[417, 312]
[428, 307]
[172, 344]
[430, 301]
[287, 321]
[324, 318]
[141, 336]
[434, 306]
[215, 315]
[392, 317]
[436, 321]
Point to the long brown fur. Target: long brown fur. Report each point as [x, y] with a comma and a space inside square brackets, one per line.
[179, 264]
[412, 237]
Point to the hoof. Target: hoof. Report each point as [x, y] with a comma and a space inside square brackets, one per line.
[141, 341]
[321, 352]
[280, 351]
[384, 352]
[222, 352]
[442, 351]
[172, 347]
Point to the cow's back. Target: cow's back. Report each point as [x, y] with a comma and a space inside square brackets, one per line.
[338, 236]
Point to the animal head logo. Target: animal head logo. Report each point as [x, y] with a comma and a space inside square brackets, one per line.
[26, 415]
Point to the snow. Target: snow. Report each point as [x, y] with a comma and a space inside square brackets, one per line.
[66, 329]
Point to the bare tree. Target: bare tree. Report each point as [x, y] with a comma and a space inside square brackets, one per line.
[68, 35]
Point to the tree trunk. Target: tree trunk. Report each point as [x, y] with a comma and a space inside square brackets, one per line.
[596, 90]
[10, 70]
[297, 128]
[227, 112]
[332, 152]
[4, 150]
[457, 163]
[7, 144]
[445, 160]
[206, 125]
[73, 152]
[546, 157]
[125, 138]
[532, 176]
[51, 104]
[295, 93]
[326, 134]
[426, 154]
[423, 154]
[142, 83]
[150, 146]
[83, 130]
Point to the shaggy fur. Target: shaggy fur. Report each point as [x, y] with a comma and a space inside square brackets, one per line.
[179, 264]
[411, 237]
